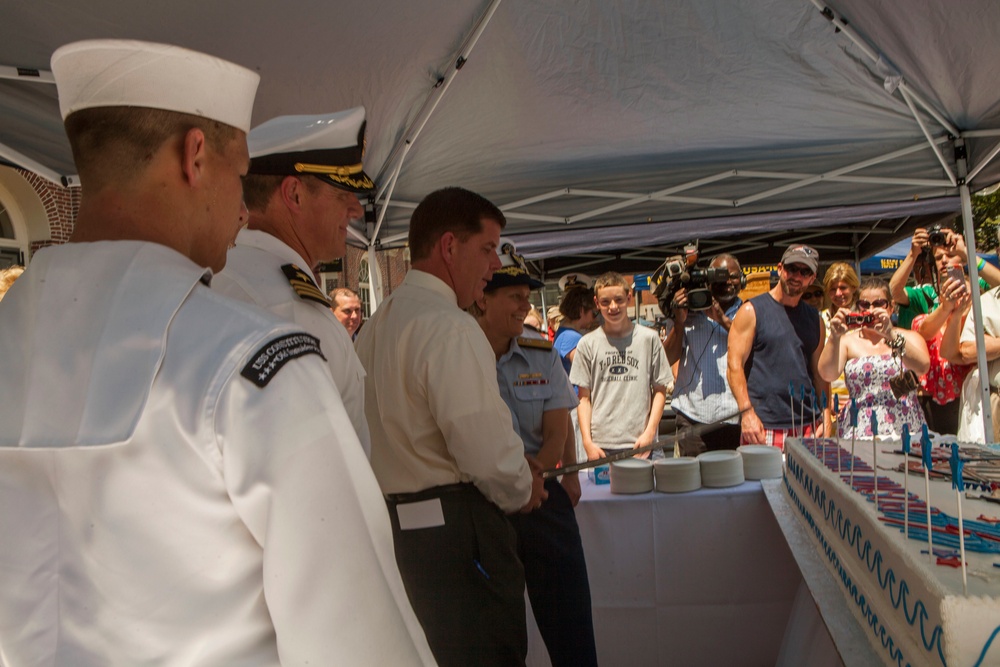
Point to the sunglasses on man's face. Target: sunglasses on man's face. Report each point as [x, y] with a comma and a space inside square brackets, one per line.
[877, 303]
[813, 295]
[798, 270]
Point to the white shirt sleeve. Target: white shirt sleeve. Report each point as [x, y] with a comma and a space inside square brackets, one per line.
[468, 409]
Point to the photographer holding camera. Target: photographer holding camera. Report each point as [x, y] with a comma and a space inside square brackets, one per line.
[699, 340]
[880, 364]
[927, 264]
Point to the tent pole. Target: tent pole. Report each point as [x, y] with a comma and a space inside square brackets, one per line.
[977, 307]
[857, 254]
[374, 278]
[545, 308]
[391, 183]
[989, 158]
[843, 27]
[437, 93]
[403, 146]
[927, 135]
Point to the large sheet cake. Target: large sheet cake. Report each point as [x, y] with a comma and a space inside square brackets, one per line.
[914, 611]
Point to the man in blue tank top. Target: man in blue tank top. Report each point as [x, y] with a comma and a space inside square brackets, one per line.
[776, 340]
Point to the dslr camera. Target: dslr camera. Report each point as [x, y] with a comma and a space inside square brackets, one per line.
[936, 236]
[682, 271]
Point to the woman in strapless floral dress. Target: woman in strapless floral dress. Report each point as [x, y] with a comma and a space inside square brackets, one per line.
[870, 357]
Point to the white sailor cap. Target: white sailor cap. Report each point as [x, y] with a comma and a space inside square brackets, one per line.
[571, 280]
[128, 73]
[329, 147]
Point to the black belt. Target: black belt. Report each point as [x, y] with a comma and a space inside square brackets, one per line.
[427, 494]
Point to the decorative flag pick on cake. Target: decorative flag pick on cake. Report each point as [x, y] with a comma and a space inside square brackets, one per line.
[822, 416]
[836, 420]
[925, 456]
[854, 433]
[791, 403]
[802, 411]
[906, 479]
[812, 408]
[875, 456]
[958, 484]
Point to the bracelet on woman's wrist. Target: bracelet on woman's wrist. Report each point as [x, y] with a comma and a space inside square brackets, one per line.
[898, 345]
[980, 264]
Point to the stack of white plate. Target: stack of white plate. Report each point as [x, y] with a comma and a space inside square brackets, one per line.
[677, 475]
[721, 468]
[761, 461]
[631, 476]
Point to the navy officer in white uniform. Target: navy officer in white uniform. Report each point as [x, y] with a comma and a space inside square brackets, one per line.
[302, 192]
[534, 386]
[179, 482]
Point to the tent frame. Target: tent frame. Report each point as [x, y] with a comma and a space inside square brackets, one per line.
[958, 174]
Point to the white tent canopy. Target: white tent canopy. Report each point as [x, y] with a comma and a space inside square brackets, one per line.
[589, 114]
[584, 114]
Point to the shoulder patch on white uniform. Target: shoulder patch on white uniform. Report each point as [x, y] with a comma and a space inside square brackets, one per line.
[534, 343]
[303, 285]
[265, 363]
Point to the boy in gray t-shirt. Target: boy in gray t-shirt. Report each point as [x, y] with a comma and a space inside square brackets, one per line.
[622, 374]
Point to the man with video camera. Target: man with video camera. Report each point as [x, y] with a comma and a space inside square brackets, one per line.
[699, 340]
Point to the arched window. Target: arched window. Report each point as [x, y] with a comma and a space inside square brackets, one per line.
[10, 246]
[6, 224]
[364, 289]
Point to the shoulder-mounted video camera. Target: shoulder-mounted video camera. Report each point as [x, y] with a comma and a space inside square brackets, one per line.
[683, 271]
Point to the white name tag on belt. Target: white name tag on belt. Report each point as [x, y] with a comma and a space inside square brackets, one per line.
[422, 514]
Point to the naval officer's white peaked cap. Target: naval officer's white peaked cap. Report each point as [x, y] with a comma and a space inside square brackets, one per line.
[128, 73]
[575, 279]
[329, 146]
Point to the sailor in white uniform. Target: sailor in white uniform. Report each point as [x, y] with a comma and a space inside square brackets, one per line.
[178, 482]
[302, 192]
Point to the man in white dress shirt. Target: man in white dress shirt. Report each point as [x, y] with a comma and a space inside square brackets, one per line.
[179, 482]
[444, 448]
[302, 191]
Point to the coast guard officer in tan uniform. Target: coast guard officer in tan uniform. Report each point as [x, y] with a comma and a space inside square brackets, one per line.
[179, 482]
[302, 191]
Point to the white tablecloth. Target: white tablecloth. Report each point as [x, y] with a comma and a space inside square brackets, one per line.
[701, 578]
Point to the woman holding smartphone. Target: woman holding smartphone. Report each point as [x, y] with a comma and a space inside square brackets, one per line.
[943, 381]
[874, 359]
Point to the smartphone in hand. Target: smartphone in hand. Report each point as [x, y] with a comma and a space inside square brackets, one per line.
[956, 272]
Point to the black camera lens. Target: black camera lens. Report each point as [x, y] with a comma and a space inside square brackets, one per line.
[936, 236]
[699, 299]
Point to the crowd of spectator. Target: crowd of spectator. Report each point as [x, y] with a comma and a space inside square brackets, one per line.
[903, 350]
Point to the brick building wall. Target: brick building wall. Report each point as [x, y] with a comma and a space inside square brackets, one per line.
[393, 264]
[61, 206]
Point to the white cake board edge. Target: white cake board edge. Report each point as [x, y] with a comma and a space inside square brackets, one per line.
[848, 636]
